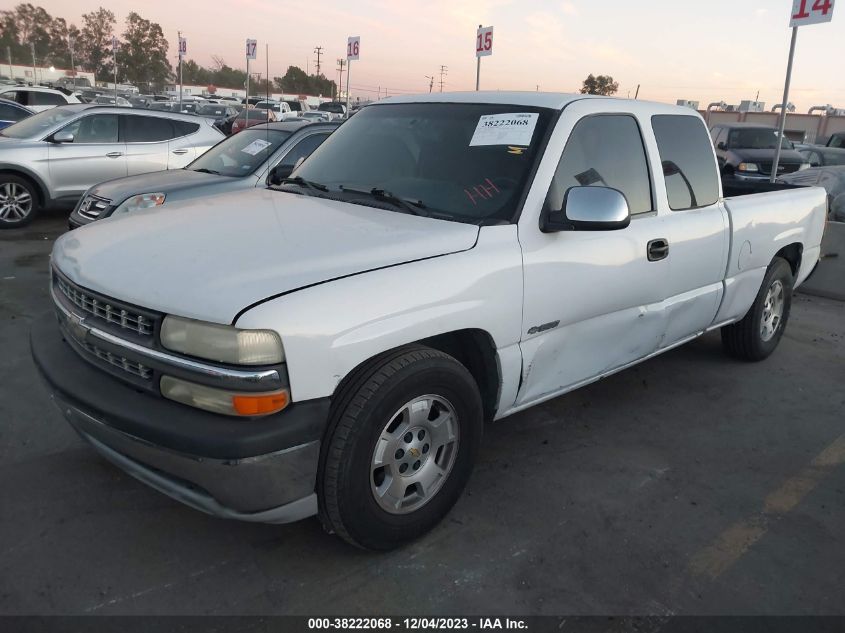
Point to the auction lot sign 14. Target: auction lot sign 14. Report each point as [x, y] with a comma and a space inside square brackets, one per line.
[806, 12]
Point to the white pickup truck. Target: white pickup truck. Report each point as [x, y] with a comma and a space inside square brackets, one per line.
[334, 345]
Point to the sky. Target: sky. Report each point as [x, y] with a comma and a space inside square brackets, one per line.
[705, 51]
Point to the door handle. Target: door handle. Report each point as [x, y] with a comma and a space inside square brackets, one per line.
[658, 249]
[114, 154]
[180, 151]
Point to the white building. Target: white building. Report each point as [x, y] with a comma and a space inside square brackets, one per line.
[40, 74]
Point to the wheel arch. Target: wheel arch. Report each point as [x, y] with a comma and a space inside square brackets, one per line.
[792, 253]
[37, 183]
[473, 348]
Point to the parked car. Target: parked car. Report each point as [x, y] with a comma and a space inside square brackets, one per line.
[820, 156]
[218, 114]
[832, 179]
[334, 346]
[297, 107]
[53, 157]
[72, 83]
[836, 140]
[263, 154]
[249, 117]
[35, 98]
[315, 115]
[141, 101]
[11, 112]
[107, 100]
[335, 108]
[280, 109]
[746, 151]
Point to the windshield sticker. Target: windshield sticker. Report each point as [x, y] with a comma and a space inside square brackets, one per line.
[256, 146]
[505, 129]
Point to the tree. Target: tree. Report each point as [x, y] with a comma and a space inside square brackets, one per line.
[601, 85]
[94, 46]
[24, 26]
[296, 81]
[143, 57]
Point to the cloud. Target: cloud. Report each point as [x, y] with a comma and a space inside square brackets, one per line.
[569, 9]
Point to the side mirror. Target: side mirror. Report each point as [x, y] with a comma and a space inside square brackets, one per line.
[588, 209]
[63, 136]
[722, 147]
[278, 174]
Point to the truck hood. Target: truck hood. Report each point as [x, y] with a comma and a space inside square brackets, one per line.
[168, 181]
[210, 258]
[787, 156]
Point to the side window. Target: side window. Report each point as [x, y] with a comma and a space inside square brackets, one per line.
[838, 140]
[46, 99]
[687, 160]
[11, 113]
[94, 128]
[723, 137]
[303, 149]
[605, 150]
[146, 129]
[183, 128]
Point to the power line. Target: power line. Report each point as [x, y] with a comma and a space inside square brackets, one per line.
[443, 71]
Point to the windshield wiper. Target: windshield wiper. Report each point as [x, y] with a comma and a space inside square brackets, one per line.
[310, 185]
[203, 170]
[414, 207]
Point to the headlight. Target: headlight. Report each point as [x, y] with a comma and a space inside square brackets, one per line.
[748, 167]
[804, 166]
[222, 343]
[142, 201]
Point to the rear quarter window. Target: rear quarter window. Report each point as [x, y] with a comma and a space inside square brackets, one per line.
[184, 128]
[686, 157]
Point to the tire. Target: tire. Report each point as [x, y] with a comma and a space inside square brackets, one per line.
[18, 201]
[382, 507]
[757, 335]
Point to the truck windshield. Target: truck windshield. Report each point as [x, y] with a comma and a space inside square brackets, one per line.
[459, 161]
[756, 138]
[241, 154]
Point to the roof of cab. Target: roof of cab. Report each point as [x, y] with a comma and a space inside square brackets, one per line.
[552, 100]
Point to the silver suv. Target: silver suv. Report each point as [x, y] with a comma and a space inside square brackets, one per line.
[53, 157]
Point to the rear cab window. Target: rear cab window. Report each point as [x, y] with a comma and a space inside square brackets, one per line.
[686, 158]
[146, 129]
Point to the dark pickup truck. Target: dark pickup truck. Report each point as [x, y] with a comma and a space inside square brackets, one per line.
[746, 151]
[836, 140]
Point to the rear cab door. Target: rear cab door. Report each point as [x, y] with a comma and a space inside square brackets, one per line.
[696, 222]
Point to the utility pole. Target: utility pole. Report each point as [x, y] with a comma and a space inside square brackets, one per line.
[32, 47]
[72, 67]
[179, 42]
[341, 65]
[637, 93]
[319, 51]
[114, 61]
[431, 82]
[443, 71]
[9, 53]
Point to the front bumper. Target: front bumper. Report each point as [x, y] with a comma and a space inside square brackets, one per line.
[260, 470]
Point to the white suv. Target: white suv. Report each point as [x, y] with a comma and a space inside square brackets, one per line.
[36, 98]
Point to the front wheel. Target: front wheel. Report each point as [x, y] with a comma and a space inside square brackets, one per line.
[18, 201]
[757, 335]
[403, 439]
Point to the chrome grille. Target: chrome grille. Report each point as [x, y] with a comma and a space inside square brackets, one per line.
[92, 207]
[98, 307]
[131, 366]
[783, 168]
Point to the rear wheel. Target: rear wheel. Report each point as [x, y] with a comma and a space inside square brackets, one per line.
[18, 201]
[757, 335]
[404, 436]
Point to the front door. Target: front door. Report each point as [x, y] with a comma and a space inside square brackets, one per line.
[94, 155]
[592, 298]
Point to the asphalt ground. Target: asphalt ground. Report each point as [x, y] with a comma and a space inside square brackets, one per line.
[690, 484]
